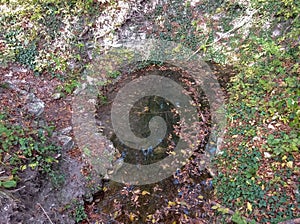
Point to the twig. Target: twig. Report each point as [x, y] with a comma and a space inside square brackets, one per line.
[45, 213]
[15, 190]
[84, 31]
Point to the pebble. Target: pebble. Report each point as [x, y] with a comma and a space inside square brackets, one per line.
[56, 96]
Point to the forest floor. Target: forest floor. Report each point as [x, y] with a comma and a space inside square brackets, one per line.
[46, 48]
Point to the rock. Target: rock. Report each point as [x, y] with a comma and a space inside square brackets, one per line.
[79, 89]
[267, 155]
[34, 106]
[66, 141]
[56, 96]
[66, 130]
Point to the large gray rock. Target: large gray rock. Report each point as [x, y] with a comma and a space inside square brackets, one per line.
[34, 105]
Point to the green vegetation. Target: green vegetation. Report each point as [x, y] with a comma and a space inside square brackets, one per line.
[23, 148]
[259, 162]
[44, 35]
[262, 140]
[80, 214]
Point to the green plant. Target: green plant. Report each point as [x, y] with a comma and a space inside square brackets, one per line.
[237, 218]
[26, 55]
[57, 179]
[27, 148]
[80, 214]
[69, 86]
[102, 99]
[114, 74]
[8, 183]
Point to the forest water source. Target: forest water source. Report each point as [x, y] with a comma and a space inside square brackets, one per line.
[181, 196]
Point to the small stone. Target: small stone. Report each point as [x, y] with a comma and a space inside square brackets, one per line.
[267, 155]
[67, 142]
[56, 96]
[270, 126]
[10, 74]
[23, 92]
[256, 138]
[66, 130]
[79, 89]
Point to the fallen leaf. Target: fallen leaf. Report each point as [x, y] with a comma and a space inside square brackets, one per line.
[145, 192]
[132, 216]
[289, 164]
[249, 206]
[171, 203]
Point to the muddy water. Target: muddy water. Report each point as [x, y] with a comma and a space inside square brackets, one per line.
[183, 195]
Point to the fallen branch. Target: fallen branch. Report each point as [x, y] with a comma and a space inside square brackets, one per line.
[45, 213]
[18, 189]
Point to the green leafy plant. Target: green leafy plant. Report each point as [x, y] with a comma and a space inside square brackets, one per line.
[80, 214]
[238, 219]
[57, 179]
[32, 145]
[114, 74]
[8, 183]
[26, 55]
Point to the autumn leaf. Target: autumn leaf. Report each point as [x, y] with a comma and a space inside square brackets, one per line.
[200, 197]
[249, 207]
[215, 206]
[289, 164]
[145, 192]
[132, 216]
[171, 203]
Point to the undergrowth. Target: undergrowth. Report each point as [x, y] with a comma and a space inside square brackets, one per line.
[25, 148]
